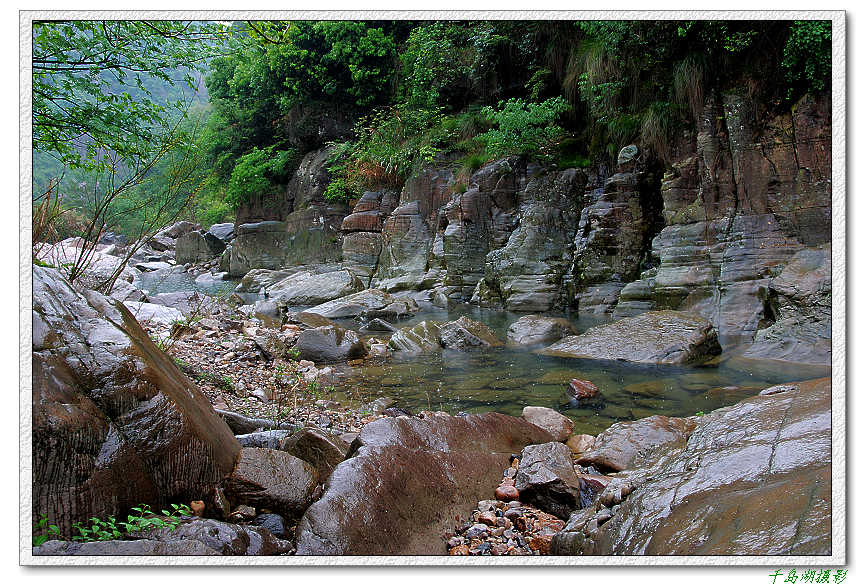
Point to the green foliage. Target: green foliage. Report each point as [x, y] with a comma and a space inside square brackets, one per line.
[93, 80]
[259, 173]
[142, 519]
[808, 56]
[435, 63]
[391, 144]
[524, 128]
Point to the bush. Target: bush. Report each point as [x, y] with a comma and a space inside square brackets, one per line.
[258, 173]
[808, 56]
[524, 128]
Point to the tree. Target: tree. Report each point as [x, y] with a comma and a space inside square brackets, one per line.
[92, 84]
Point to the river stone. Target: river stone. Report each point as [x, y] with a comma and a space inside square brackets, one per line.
[658, 337]
[753, 479]
[135, 547]
[314, 446]
[619, 446]
[273, 523]
[353, 305]
[258, 245]
[310, 320]
[466, 333]
[559, 426]
[535, 329]
[421, 337]
[407, 482]
[242, 425]
[330, 344]
[547, 480]
[304, 288]
[115, 421]
[272, 479]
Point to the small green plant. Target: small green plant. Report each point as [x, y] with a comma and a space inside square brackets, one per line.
[96, 529]
[45, 530]
[524, 128]
[700, 413]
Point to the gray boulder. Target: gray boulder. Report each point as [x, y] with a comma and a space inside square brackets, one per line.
[272, 479]
[330, 344]
[314, 446]
[224, 232]
[547, 480]
[421, 337]
[466, 333]
[304, 288]
[198, 246]
[536, 329]
[655, 337]
[353, 305]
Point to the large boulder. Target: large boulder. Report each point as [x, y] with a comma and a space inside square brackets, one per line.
[546, 479]
[258, 245]
[316, 447]
[272, 479]
[177, 229]
[224, 232]
[258, 280]
[115, 421]
[752, 479]
[655, 337]
[354, 304]
[330, 344]
[421, 337]
[98, 267]
[619, 446]
[466, 333]
[559, 426]
[407, 482]
[304, 288]
[198, 246]
[535, 329]
[154, 314]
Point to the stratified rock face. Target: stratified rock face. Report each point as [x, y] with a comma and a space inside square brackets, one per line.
[406, 243]
[115, 422]
[304, 288]
[536, 329]
[527, 271]
[408, 481]
[747, 194]
[800, 299]
[612, 237]
[330, 344]
[657, 337]
[753, 479]
[272, 479]
[361, 242]
[259, 245]
[198, 246]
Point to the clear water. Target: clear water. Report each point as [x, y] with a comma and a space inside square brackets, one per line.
[508, 379]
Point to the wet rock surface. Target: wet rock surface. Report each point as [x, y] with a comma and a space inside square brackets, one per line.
[272, 479]
[547, 479]
[407, 480]
[535, 329]
[659, 337]
[559, 426]
[115, 422]
[752, 479]
[466, 333]
[330, 344]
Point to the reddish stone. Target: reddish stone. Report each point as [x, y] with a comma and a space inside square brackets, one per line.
[499, 549]
[197, 508]
[507, 493]
[488, 518]
[596, 482]
[541, 543]
[370, 221]
[459, 550]
[507, 482]
[582, 389]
